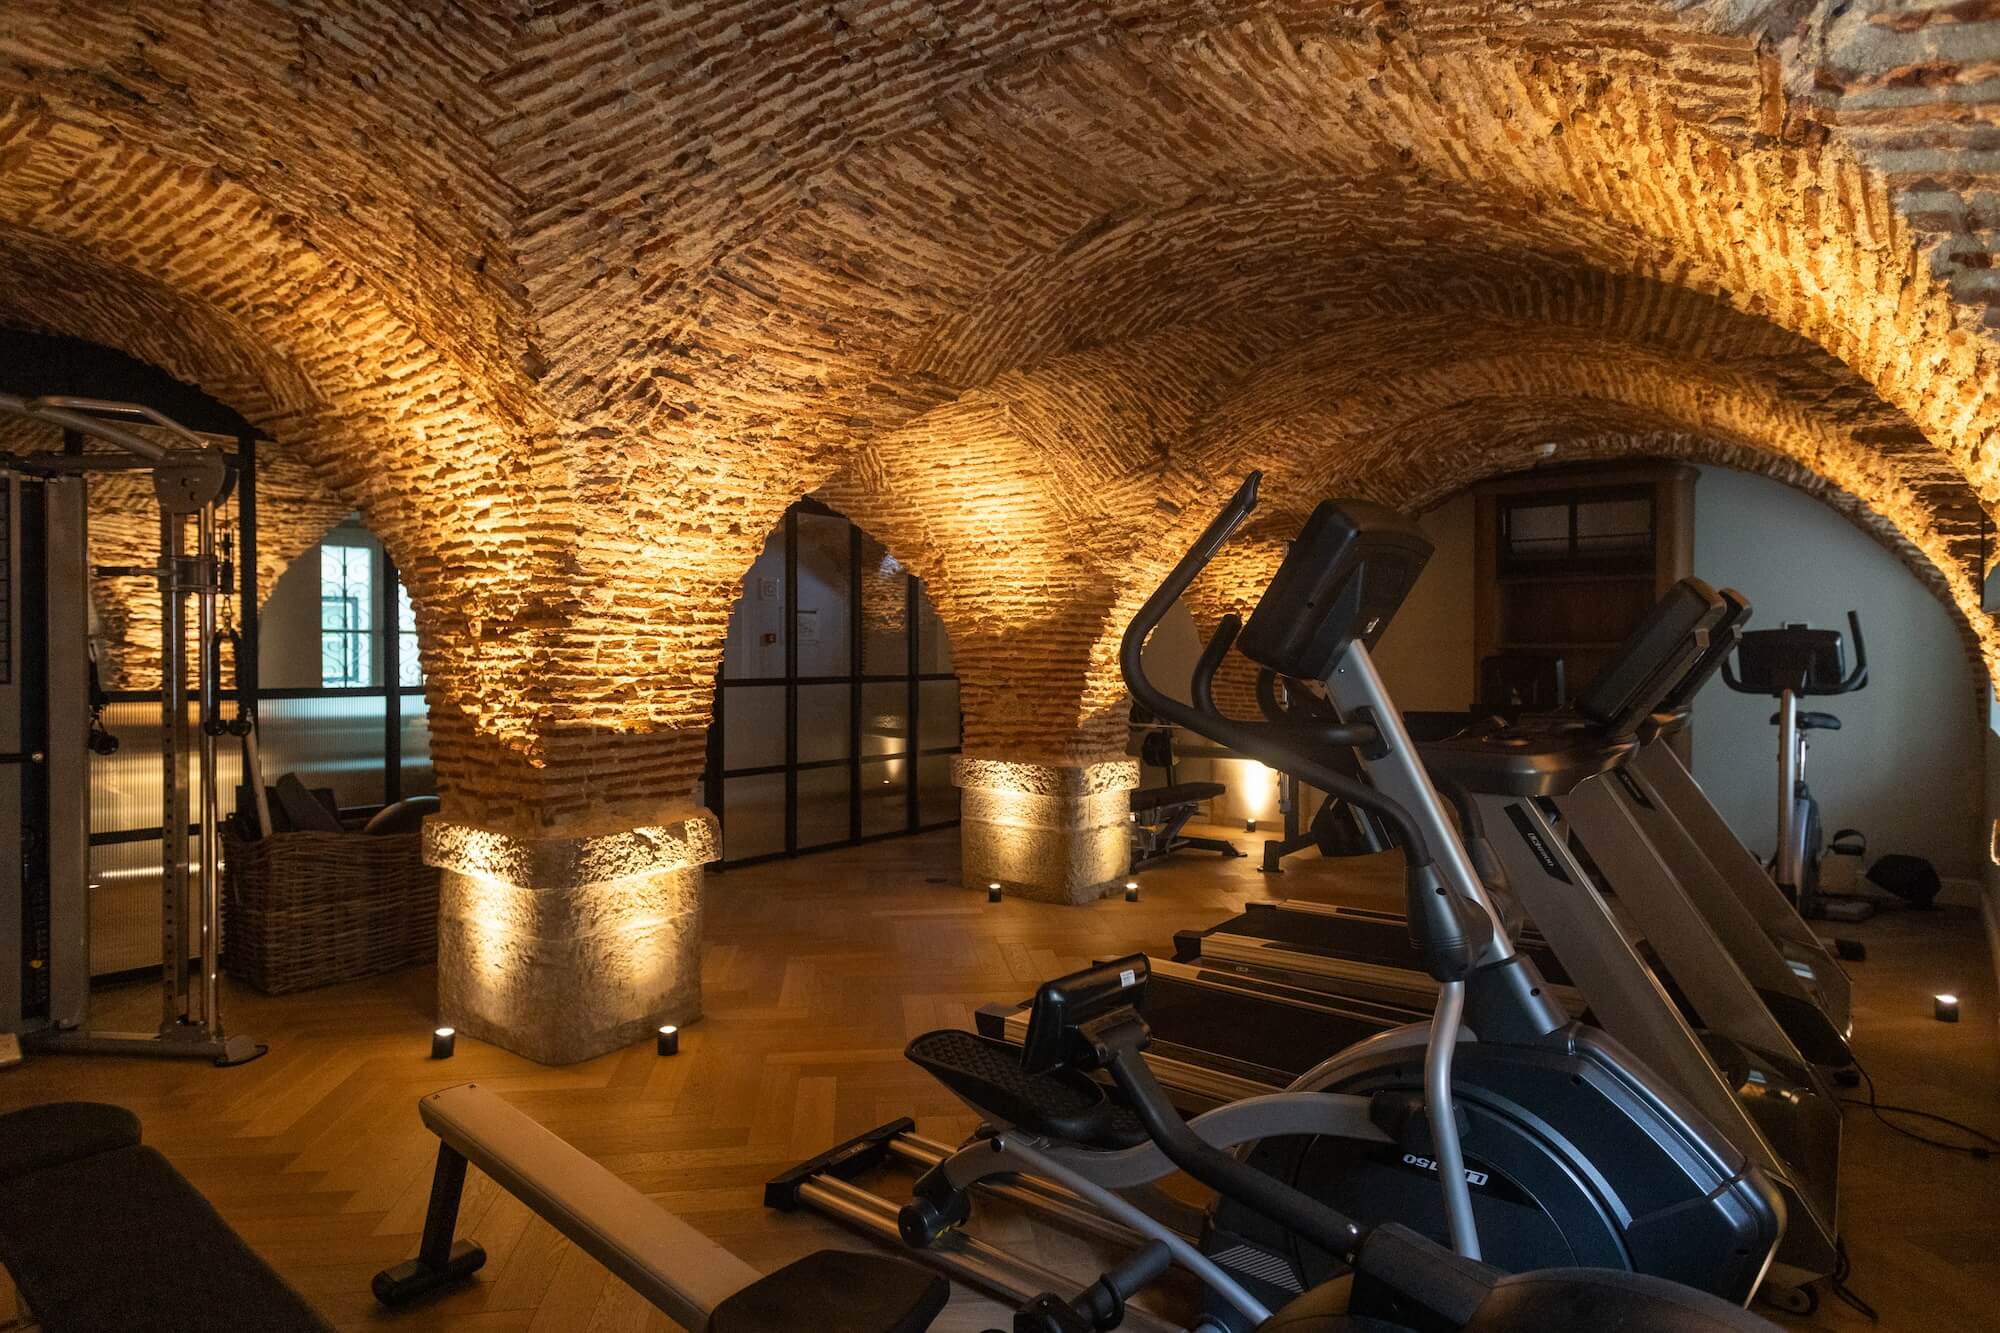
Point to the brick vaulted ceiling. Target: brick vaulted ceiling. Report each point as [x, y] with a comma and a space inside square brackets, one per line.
[572, 300]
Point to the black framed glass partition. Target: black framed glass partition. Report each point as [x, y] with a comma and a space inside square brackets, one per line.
[327, 657]
[836, 709]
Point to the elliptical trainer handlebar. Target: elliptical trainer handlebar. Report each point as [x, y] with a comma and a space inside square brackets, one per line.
[1207, 720]
[1448, 932]
[1859, 676]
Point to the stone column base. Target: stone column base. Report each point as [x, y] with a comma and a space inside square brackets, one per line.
[1059, 834]
[564, 948]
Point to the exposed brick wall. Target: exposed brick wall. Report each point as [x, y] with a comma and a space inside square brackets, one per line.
[572, 301]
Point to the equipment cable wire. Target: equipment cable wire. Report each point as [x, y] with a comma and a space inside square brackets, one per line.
[1981, 1152]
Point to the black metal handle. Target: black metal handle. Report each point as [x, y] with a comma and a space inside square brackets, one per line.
[1274, 746]
[1224, 1173]
[1267, 696]
[1859, 676]
[23, 757]
[211, 692]
[1177, 581]
[1201, 685]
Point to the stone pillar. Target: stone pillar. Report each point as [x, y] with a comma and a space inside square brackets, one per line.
[561, 948]
[1057, 833]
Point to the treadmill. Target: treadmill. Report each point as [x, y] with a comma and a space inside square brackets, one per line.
[1548, 802]
[1652, 834]
[1356, 950]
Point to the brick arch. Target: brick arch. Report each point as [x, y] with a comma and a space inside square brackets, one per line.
[1023, 627]
[1333, 413]
[1603, 162]
[586, 296]
[53, 289]
[103, 241]
[1486, 434]
[1385, 403]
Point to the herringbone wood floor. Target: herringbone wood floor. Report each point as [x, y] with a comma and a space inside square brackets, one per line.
[817, 973]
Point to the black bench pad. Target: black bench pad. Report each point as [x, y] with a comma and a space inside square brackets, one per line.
[120, 1241]
[1810, 720]
[58, 1132]
[1146, 799]
[836, 1291]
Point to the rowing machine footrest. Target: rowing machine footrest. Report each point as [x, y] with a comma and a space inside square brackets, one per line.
[844, 1161]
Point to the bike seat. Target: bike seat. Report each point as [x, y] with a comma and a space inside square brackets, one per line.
[1811, 721]
[1146, 800]
[1062, 1103]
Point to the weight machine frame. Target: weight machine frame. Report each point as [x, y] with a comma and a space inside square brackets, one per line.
[192, 477]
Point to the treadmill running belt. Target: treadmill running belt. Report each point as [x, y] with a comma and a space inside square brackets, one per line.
[1287, 1038]
[1383, 941]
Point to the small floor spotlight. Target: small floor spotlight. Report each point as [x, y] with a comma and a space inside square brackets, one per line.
[1249, 826]
[669, 1041]
[443, 1042]
[993, 893]
[1131, 890]
[1946, 1008]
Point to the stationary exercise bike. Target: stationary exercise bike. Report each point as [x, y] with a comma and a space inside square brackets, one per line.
[1788, 664]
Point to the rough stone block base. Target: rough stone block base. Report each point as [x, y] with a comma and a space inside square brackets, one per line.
[564, 948]
[1055, 833]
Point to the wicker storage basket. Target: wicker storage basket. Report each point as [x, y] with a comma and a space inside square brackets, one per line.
[309, 909]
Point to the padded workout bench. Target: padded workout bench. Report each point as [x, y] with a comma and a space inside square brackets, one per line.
[1159, 813]
[683, 1273]
[102, 1235]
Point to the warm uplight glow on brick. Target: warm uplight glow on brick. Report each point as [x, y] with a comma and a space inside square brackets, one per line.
[1059, 834]
[1022, 296]
[564, 948]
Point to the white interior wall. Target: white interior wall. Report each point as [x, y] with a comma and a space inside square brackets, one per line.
[1906, 768]
[1425, 655]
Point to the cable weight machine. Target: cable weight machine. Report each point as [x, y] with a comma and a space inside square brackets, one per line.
[45, 789]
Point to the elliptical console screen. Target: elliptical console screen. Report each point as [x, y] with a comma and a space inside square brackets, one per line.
[1343, 579]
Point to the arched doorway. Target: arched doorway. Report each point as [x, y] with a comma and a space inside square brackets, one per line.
[836, 707]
